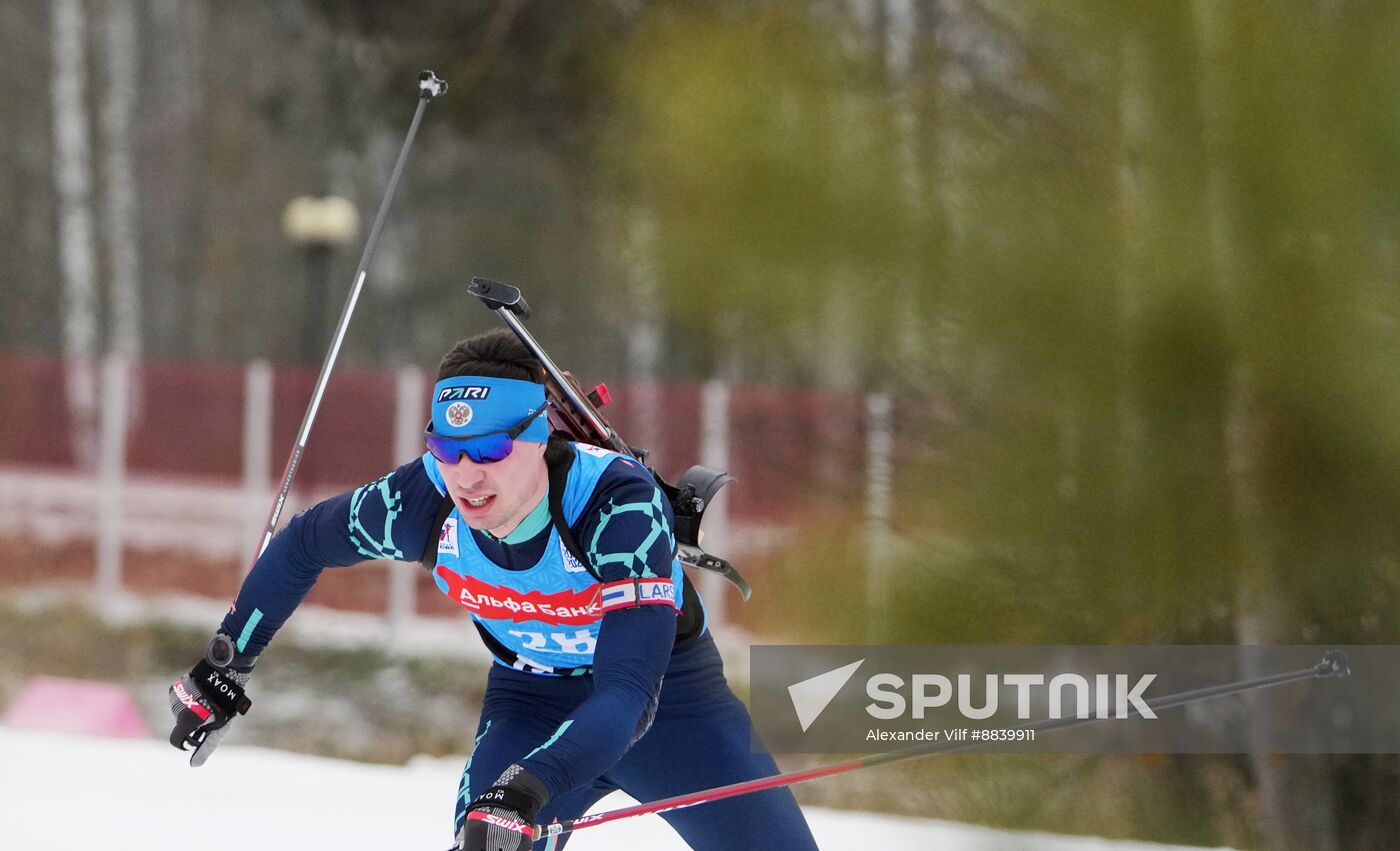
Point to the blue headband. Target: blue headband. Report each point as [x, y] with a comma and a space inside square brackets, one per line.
[468, 405]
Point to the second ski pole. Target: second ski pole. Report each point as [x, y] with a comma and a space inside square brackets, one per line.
[1333, 664]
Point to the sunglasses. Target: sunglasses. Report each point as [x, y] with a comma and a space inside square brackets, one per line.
[485, 448]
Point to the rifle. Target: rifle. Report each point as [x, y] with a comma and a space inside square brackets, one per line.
[575, 414]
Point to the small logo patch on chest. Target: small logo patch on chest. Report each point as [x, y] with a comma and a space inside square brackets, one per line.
[571, 564]
[447, 538]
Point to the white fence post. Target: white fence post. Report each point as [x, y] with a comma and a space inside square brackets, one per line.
[257, 455]
[879, 475]
[714, 452]
[410, 414]
[111, 473]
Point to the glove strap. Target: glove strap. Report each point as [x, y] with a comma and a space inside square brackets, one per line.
[505, 798]
[218, 687]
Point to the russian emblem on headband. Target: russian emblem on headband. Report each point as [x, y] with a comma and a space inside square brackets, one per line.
[458, 414]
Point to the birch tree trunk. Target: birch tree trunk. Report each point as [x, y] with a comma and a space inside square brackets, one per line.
[174, 122]
[120, 207]
[72, 174]
[121, 203]
[1296, 802]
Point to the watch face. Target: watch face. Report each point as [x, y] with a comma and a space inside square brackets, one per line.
[220, 652]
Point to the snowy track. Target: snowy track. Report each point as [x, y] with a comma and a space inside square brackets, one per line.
[64, 793]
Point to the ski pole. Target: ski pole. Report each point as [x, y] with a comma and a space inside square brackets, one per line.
[1333, 664]
[429, 87]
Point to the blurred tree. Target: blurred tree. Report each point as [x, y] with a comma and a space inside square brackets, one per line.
[172, 121]
[1164, 260]
[514, 139]
[29, 280]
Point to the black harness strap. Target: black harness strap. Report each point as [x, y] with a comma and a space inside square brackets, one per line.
[558, 480]
[429, 559]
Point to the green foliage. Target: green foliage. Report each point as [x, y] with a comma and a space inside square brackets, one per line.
[1157, 280]
[761, 149]
[1147, 254]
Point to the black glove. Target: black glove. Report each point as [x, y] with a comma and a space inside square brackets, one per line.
[503, 817]
[206, 699]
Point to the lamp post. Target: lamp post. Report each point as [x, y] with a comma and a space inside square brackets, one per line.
[318, 226]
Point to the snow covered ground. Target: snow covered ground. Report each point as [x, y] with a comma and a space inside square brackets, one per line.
[62, 792]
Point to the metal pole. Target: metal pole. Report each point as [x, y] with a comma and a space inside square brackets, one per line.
[410, 401]
[111, 467]
[257, 449]
[429, 87]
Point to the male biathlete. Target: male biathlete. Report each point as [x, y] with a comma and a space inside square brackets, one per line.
[605, 676]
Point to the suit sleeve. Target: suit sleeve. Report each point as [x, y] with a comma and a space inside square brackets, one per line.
[389, 518]
[627, 533]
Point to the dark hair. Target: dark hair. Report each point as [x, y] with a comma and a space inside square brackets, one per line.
[500, 354]
[494, 354]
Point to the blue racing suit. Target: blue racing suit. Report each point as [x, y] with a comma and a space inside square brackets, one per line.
[582, 650]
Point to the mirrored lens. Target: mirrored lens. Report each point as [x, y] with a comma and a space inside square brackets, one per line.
[486, 449]
[489, 449]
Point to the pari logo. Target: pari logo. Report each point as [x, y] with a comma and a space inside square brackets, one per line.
[448, 394]
[893, 696]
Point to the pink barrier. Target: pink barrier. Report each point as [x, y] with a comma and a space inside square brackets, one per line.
[90, 708]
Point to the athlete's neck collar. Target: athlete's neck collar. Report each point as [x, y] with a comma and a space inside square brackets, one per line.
[536, 520]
